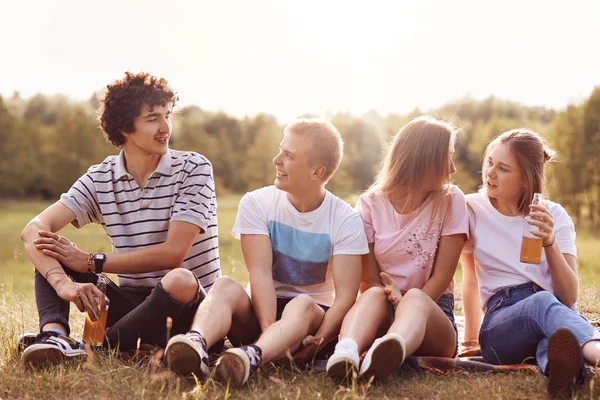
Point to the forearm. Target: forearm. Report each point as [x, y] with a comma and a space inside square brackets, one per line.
[332, 322]
[149, 259]
[45, 265]
[471, 308]
[565, 282]
[264, 300]
[437, 285]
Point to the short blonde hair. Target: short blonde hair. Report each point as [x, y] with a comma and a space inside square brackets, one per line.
[328, 146]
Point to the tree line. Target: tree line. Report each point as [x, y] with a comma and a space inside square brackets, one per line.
[47, 142]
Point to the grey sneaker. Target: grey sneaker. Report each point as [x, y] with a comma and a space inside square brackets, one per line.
[187, 354]
[565, 363]
[384, 357]
[50, 348]
[236, 365]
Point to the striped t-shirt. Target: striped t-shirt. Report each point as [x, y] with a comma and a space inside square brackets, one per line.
[180, 189]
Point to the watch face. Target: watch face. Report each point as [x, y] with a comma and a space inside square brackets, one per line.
[100, 256]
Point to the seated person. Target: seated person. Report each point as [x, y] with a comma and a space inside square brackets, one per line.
[302, 247]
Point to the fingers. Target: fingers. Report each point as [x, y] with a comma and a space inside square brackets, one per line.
[79, 304]
[102, 300]
[386, 279]
[49, 234]
[543, 228]
[540, 216]
[88, 294]
[540, 208]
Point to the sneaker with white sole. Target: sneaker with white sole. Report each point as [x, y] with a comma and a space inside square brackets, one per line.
[51, 348]
[344, 360]
[565, 363]
[25, 340]
[384, 357]
[236, 365]
[187, 355]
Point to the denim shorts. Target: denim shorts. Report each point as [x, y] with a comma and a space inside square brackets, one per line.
[446, 303]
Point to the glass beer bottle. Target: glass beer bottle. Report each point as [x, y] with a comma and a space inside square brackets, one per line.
[531, 246]
[93, 331]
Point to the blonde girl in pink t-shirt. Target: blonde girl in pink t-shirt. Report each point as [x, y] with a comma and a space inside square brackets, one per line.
[416, 224]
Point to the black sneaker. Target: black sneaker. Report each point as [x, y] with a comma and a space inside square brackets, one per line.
[565, 363]
[186, 354]
[25, 340]
[50, 348]
[236, 365]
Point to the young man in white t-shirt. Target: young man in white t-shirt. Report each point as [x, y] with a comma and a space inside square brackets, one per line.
[302, 247]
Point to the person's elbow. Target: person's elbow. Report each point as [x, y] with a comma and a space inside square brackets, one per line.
[30, 232]
[176, 257]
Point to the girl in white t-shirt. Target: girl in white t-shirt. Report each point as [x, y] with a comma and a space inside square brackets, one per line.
[529, 308]
[416, 225]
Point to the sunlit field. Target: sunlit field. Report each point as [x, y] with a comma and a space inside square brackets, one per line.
[113, 377]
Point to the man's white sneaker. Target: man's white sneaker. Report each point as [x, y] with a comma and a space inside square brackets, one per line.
[344, 360]
[384, 357]
[187, 354]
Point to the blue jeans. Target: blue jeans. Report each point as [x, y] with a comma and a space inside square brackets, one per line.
[519, 321]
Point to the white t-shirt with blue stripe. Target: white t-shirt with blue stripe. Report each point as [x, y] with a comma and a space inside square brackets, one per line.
[303, 243]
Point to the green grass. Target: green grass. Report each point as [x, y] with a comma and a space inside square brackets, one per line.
[111, 377]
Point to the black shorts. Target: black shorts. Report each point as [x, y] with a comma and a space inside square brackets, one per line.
[328, 349]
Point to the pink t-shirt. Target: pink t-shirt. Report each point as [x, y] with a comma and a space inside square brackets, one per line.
[403, 246]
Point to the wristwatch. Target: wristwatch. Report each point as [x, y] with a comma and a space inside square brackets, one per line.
[99, 259]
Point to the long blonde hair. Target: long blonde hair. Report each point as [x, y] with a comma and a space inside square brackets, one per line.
[415, 161]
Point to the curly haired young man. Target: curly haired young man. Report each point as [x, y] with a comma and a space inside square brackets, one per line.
[158, 208]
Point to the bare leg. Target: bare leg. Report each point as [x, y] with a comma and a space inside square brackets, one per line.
[423, 325]
[591, 352]
[226, 310]
[367, 319]
[301, 317]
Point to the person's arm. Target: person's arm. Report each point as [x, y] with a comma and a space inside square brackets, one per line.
[258, 255]
[53, 219]
[470, 298]
[563, 269]
[193, 211]
[562, 266]
[346, 279]
[444, 265]
[167, 255]
[370, 271]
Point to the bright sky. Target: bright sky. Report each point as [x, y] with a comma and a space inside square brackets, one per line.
[288, 58]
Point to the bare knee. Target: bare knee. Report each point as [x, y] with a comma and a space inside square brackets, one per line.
[302, 305]
[181, 284]
[418, 298]
[227, 289]
[373, 295]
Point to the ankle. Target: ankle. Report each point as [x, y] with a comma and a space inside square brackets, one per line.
[347, 345]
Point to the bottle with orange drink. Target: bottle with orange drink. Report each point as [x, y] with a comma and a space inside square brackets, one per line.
[531, 245]
[93, 331]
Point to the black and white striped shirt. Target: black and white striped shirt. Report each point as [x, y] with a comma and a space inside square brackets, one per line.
[180, 189]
